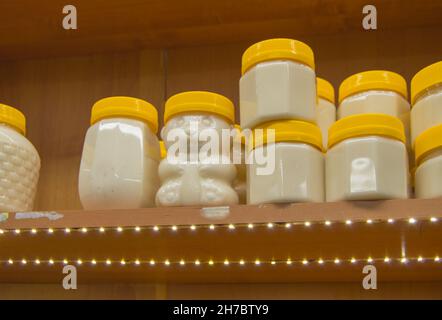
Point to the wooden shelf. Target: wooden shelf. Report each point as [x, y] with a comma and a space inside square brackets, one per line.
[298, 233]
[34, 29]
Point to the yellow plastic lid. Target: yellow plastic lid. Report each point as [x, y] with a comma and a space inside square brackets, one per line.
[199, 101]
[277, 49]
[325, 90]
[428, 141]
[289, 131]
[126, 107]
[373, 80]
[163, 151]
[369, 124]
[13, 117]
[424, 79]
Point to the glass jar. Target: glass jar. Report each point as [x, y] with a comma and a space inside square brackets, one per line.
[19, 163]
[119, 164]
[278, 82]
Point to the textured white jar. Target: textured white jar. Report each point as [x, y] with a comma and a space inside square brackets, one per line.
[185, 179]
[367, 167]
[119, 164]
[19, 163]
[278, 82]
[428, 175]
[298, 174]
[426, 96]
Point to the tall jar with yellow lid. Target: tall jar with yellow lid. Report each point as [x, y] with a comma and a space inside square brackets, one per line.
[325, 108]
[426, 99]
[19, 162]
[119, 163]
[198, 169]
[293, 170]
[428, 174]
[375, 91]
[278, 82]
[367, 159]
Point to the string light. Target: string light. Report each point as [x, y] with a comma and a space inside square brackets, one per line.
[273, 262]
[241, 262]
[250, 226]
[123, 262]
[2, 231]
[192, 227]
[348, 222]
[10, 261]
[120, 229]
[182, 262]
[101, 230]
[33, 231]
[174, 228]
[67, 230]
[108, 262]
[50, 231]
[328, 223]
[137, 262]
[152, 262]
[226, 262]
[404, 260]
[433, 219]
[23, 261]
[436, 259]
[320, 261]
[304, 262]
[412, 220]
[231, 226]
[93, 262]
[353, 260]
[288, 225]
[257, 262]
[270, 225]
[79, 262]
[307, 223]
[17, 231]
[387, 259]
[37, 261]
[210, 262]
[212, 227]
[337, 261]
[197, 262]
[390, 220]
[369, 221]
[369, 260]
[84, 230]
[420, 259]
[156, 228]
[137, 229]
[66, 262]
[289, 262]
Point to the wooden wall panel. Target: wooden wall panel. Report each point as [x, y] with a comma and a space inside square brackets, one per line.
[329, 290]
[56, 96]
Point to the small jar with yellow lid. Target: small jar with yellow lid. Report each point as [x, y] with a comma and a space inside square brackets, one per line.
[198, 170]
[426, 99]
[294, 170]
[119, 163]
[19, 163]
[325, 108]
[367, 159]
[428, 174]
[375, 91]
[278, 82]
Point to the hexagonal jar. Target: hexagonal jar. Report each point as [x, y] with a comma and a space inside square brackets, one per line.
[278, 82]
[294, 171]
[375, 91]
[367, 159]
